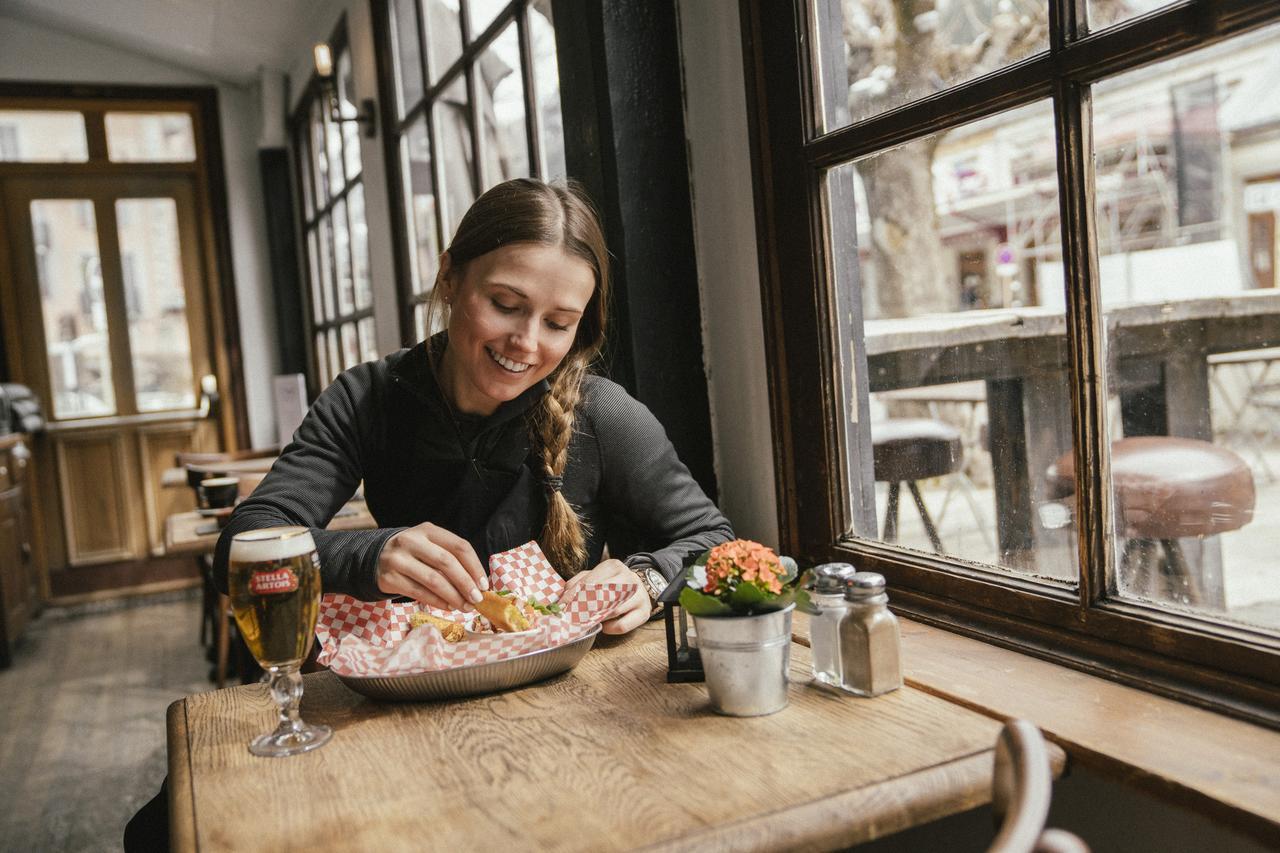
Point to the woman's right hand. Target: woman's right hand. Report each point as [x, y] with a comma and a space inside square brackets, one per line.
[433, 566]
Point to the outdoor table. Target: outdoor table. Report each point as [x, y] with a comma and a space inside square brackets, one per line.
[606, 757]
[1159, 366]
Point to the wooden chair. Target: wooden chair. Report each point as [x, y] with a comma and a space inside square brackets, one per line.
[1021, 788]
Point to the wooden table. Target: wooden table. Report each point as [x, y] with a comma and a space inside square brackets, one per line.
[607, 757]
[192, 533]
[173, 478]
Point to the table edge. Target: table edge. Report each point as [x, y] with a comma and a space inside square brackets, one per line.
[182, 804]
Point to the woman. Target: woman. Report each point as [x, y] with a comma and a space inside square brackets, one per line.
[493, 433]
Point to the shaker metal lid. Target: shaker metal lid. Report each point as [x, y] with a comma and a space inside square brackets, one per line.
[831, 578]
[864, 585]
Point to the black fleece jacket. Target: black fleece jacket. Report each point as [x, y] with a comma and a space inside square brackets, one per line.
[386, 423]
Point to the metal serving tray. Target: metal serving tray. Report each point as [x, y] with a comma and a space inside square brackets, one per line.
[477, 678]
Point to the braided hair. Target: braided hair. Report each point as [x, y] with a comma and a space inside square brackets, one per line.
[526, 210]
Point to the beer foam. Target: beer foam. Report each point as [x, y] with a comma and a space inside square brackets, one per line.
[271, 543]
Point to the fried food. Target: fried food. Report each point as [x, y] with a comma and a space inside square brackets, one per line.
[453, 632]
[504, 612]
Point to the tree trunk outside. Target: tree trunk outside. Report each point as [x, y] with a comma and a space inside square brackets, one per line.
[906, 257]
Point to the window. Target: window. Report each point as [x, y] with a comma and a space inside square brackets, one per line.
[336, 235]
[476, 101]
[1026, 277]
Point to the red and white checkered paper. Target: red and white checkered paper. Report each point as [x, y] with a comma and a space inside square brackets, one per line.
[373, 638]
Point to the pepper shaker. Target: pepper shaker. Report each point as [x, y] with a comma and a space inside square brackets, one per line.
[869, 638]
[828, 599]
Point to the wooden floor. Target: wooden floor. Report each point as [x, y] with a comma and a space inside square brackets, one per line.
[82, 737]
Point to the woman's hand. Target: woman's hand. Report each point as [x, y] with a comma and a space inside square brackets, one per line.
[433, 566]
[633, 612]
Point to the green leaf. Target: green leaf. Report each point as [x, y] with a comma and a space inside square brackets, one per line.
[503, 592]
[700, 604]
[702, 558]
[747, 597]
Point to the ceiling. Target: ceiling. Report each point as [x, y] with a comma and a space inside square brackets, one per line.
[225, 39]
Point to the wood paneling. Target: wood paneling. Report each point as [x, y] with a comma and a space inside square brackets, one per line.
[157, 447]
[97, 497]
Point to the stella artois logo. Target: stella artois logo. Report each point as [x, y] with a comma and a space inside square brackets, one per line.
[273, 582]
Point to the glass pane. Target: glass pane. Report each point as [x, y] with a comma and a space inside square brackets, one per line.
[1187, 205]
[947, 249]
[1104, 13]
[408, 55]
[303, 153]
[42, 136]
[69, 271]
[335, 360]
[481, 14]
[350, 347]
[150, 138]
[326, 266]
[347, 108]
[420, 321]
[333, 145]
[319, 161]
[501, 108]
[156, 302]
[322, 360]
[871, 61]
[368, 340]
[453, 147]
[420, 206]
[444, 36]
[317, 279]
[342, 258]
[546, 86]
[359, 246]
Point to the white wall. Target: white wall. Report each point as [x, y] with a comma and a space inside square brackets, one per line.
[30, 52]
[715, 114]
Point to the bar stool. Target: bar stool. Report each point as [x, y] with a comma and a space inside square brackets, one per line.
[1168, 488]
[907, 450]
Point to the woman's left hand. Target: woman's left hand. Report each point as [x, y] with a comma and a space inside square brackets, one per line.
[633, 612]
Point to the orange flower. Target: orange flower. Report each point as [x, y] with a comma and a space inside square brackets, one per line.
[746, 562]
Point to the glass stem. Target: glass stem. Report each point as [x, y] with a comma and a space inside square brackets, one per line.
[286, 689]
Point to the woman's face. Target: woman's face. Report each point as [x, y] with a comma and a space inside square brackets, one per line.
[515, 313]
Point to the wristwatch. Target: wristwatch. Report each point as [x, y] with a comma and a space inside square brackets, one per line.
[653, 581]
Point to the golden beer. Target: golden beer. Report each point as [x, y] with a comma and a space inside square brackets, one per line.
[274, 582]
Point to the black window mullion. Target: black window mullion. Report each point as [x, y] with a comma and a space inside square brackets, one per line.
[424, 66]
[532, 113]
[469, 55]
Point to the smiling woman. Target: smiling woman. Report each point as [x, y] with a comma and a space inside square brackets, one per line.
[492, 432]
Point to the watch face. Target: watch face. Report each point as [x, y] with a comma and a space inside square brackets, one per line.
[657, 583]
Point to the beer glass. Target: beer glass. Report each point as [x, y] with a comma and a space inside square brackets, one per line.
[274, 580]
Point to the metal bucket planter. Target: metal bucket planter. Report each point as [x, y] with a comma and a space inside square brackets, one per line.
[746, 660]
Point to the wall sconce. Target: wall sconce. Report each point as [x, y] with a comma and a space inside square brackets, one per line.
[367, 117]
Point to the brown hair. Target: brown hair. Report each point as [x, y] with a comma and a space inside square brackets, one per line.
[526, 210]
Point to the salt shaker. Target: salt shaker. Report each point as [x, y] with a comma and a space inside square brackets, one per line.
[869, 638]
[829, 581]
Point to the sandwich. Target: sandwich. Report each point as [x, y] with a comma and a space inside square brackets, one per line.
[506, 613]
[452, 632]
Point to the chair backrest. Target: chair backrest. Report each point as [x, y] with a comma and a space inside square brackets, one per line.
[1021, 789]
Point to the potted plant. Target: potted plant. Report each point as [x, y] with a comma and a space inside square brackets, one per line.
[741, 595]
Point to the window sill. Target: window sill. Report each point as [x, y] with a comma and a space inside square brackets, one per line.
[1227, 769]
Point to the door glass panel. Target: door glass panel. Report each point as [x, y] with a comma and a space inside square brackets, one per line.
[1192, 328]
[444, 36]
[500, 95]
[69, 271]
[42, 136]
[347, 108]
[368, 342]
[408, 55]
[546, 85]
[156, 302]
[948, 250]
[342, 258]
[420, 321]
[453, 146]
[419, 205]
[150, 138]
[872, 57]
[359, 246]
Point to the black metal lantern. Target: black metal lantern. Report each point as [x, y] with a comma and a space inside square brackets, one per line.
[684, 663]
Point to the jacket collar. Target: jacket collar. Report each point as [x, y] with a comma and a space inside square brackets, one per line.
[412, 368]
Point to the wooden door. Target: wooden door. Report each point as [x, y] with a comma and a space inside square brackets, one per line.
[115, 341]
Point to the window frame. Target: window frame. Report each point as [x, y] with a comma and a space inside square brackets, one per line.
[395, 127]
[314, 95]
[1230, 668]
